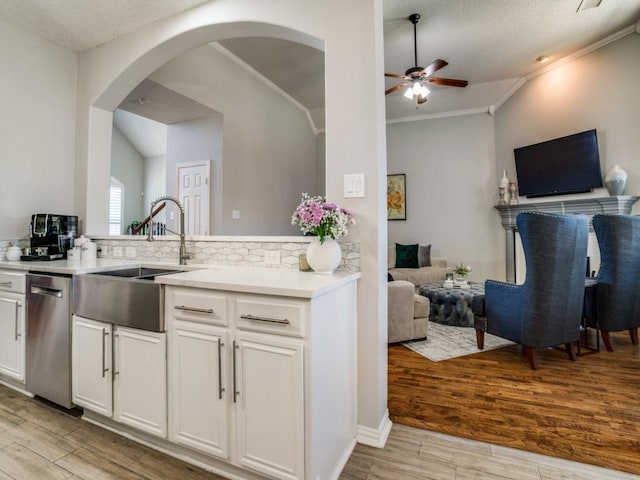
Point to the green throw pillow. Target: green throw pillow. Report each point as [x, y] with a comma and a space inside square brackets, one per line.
[406, 256]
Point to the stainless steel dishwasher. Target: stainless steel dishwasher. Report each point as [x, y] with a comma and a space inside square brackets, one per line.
[48, 346]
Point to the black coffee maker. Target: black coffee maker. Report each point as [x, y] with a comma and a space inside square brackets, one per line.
[51, 235]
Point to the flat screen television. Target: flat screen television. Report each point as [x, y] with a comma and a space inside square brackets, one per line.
[560, 166]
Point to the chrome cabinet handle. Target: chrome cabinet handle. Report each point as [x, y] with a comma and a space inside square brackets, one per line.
[255, 318]
[235, 384]
[40, 290]
[17, 322]
[116, 343]
[18, 304]
[194, 309]
[220, 387]
[104, 360]
[6, 284]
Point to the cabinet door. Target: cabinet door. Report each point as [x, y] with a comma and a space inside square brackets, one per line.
[140, 386]
[270, 411]
[198, 409]
[12, 336]
[91, 365]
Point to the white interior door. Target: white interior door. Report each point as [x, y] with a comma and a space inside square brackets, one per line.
[193, 192]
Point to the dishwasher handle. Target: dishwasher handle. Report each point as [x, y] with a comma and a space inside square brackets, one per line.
[41, 290]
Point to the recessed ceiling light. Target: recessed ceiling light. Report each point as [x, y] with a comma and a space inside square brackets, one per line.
[542, 59]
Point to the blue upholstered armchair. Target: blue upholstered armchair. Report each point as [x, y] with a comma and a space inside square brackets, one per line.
[618, 290]
[546, 310]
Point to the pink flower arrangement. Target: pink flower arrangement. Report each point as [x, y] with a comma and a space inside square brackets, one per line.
[318, 217]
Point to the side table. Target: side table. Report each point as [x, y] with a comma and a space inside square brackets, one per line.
[589, 316]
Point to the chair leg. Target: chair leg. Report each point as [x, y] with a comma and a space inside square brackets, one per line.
[480, 339]
[633, 333]
[606, 340]
[571, 351]
[531, 356]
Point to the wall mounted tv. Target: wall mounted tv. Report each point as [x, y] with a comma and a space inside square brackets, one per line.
[560, 166]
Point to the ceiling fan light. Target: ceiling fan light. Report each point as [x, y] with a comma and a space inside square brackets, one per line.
[409, 93]
[416, 87]
[424, 91]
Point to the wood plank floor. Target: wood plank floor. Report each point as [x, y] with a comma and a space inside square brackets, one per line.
[587, 411]
[490, 395]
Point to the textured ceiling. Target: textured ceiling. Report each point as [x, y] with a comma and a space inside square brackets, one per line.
[490, 43]
[82, 24]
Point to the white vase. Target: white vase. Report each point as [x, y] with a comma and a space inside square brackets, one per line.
[504, 183]
[616, 180]
[324, 257]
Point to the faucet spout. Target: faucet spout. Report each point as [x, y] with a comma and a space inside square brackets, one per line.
[184, 255]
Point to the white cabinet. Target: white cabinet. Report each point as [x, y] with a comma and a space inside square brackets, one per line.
[270, 404]
[242, 368]
[140, 379]
[121, 373]
[12, 335]
[91, 359]
[198, 389]
[12, 325]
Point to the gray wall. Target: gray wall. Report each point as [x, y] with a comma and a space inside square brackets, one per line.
[37, 129]
[196, 141]
[598, 90]
[269, 149]
[451, 185]
[127, 166]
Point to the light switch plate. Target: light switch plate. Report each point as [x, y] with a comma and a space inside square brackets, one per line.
[117, 252]
[130, 252]
[235, 214]
[354, 185]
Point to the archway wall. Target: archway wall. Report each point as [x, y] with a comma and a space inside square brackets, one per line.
[350, 33]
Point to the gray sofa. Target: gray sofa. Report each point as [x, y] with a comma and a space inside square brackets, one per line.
[418, 276]
[408, 313]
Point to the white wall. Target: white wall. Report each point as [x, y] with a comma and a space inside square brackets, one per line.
[598, 90]
[351, 34]
[451, 188]
[127, 166]
[37, 129]
[268, 145]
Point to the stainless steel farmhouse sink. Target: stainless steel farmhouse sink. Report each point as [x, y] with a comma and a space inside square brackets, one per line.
[127, 297]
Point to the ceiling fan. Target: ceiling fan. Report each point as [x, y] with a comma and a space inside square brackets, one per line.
[417, 78]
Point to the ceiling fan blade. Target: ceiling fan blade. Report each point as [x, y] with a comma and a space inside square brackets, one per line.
[420, 100]
[395, 75]
[395, 88]
[433, 67]
[449, 82]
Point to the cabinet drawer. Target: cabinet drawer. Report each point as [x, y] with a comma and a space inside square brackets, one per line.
[197, 305]
[13, 281]
[271, 315]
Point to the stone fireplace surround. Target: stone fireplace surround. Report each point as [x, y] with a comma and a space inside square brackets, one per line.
[612, 205]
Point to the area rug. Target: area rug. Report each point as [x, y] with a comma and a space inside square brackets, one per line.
[444, 342]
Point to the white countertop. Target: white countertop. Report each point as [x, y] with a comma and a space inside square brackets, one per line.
[268, 281]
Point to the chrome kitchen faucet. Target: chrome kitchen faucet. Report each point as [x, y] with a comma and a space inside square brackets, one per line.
[184, 256]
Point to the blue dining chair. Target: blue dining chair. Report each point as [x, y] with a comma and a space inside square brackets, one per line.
[546, 310]
[618, 289]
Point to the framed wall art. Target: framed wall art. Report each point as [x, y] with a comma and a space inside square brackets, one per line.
[396, 197]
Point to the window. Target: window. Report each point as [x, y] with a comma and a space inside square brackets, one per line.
[116, 207]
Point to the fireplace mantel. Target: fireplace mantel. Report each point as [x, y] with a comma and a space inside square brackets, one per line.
[613, 205]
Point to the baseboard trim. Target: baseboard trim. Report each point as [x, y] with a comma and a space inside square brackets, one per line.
[375, 437]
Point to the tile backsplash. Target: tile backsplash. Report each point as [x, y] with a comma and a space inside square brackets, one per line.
[222, 252]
